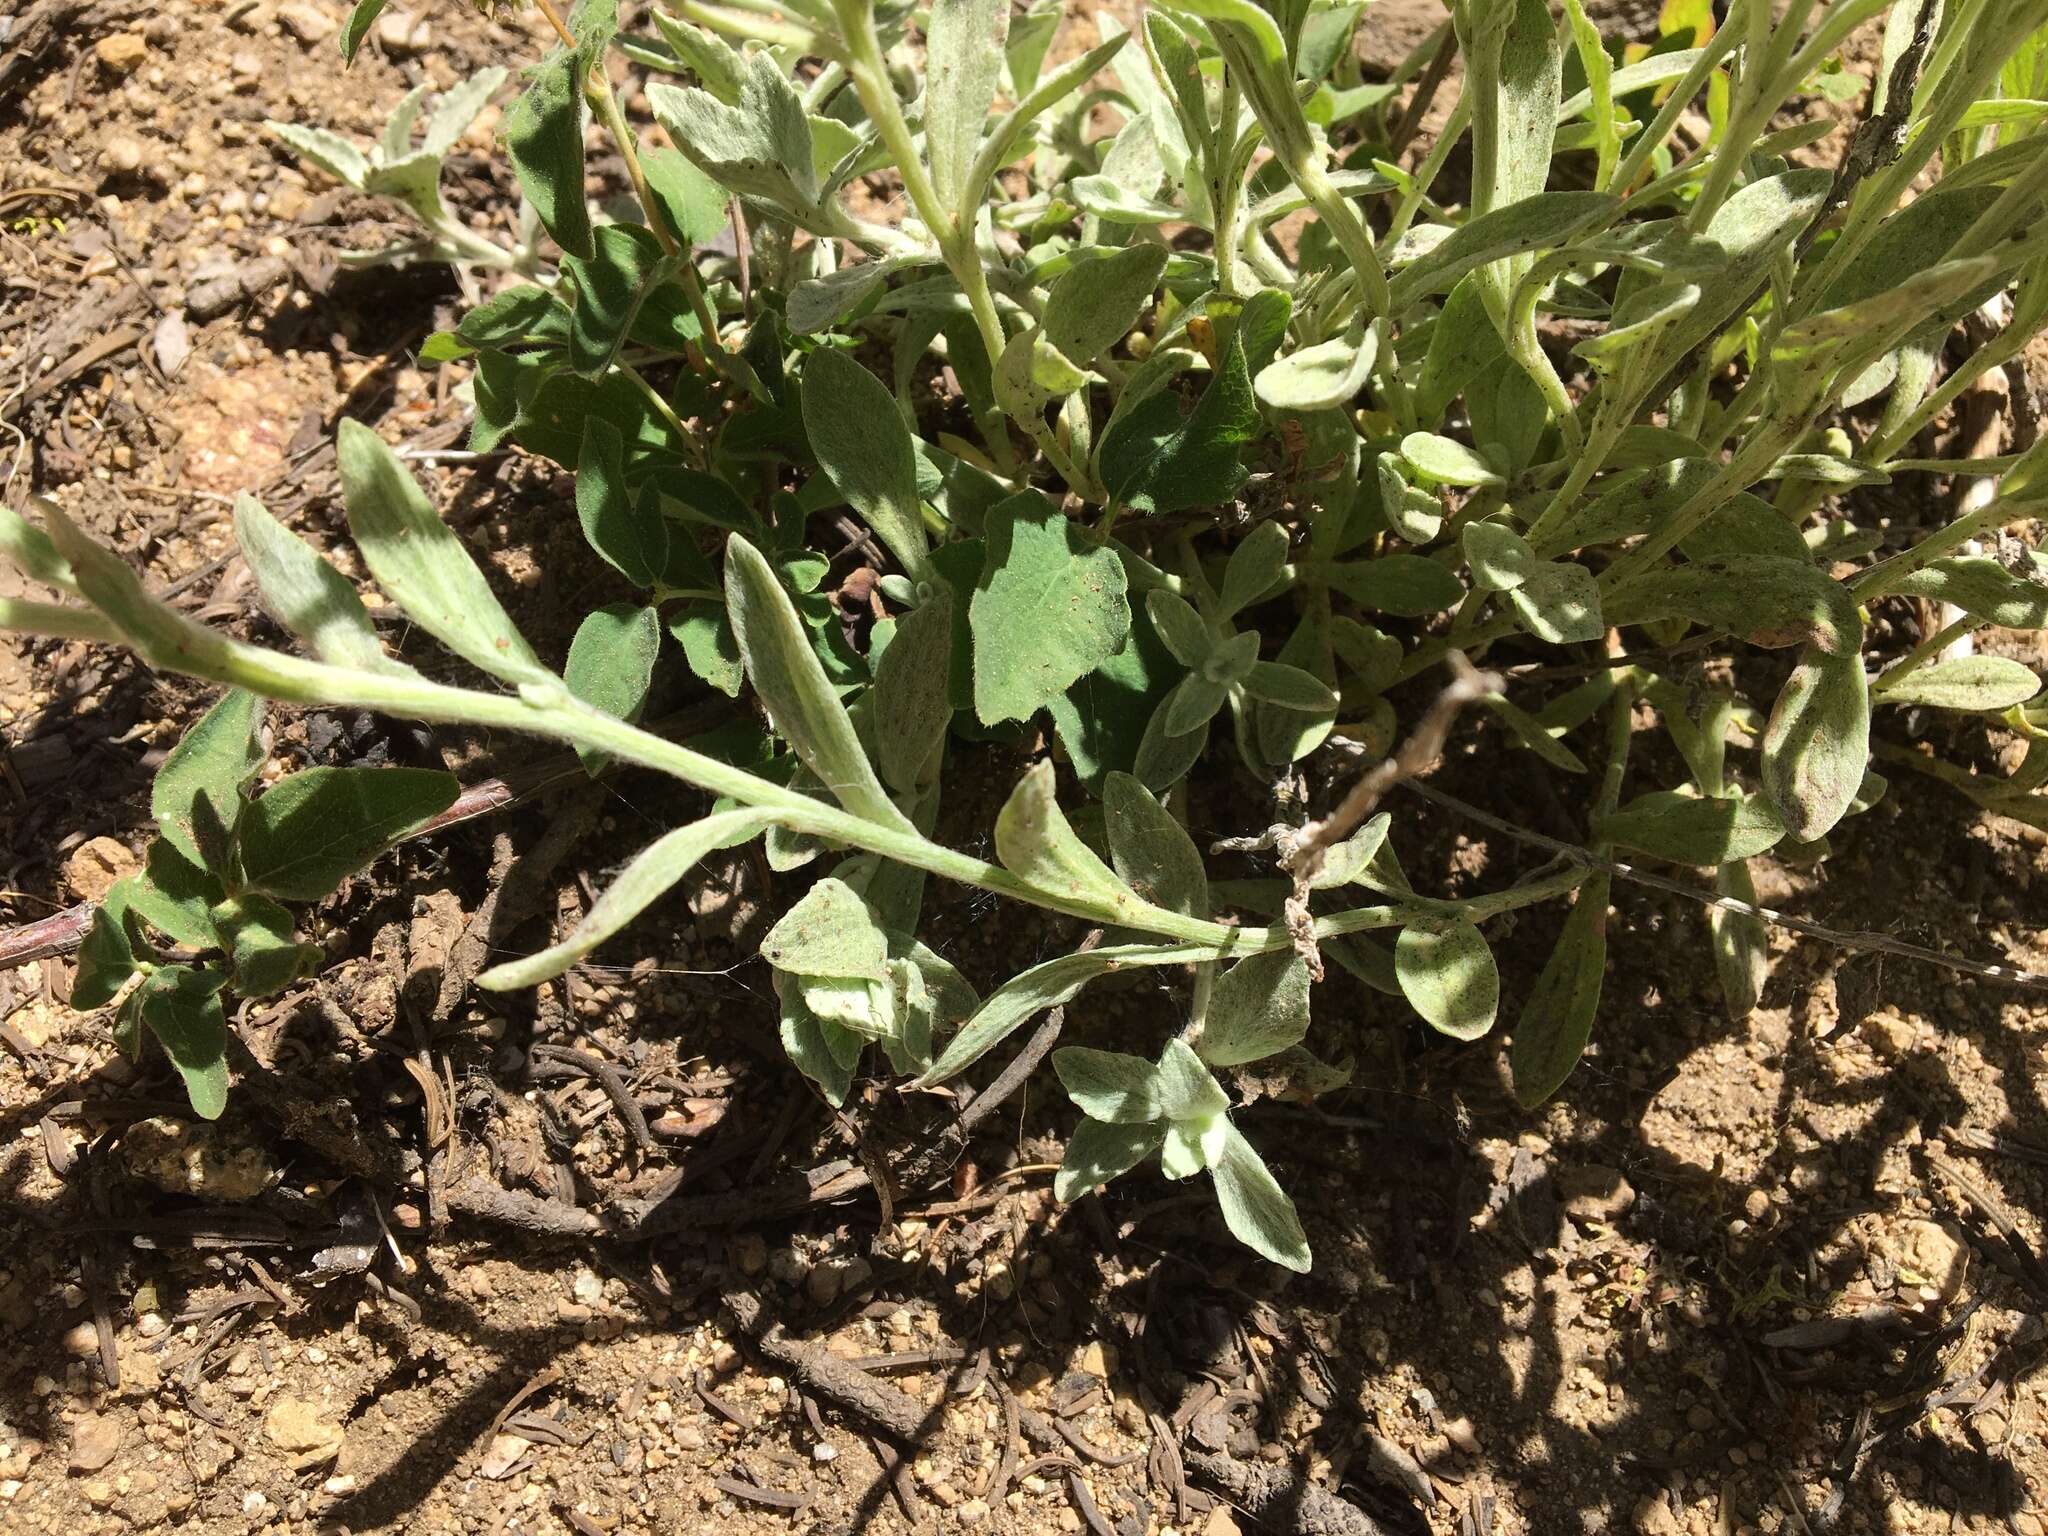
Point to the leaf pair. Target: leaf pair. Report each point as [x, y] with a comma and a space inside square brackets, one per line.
[1173, 1108]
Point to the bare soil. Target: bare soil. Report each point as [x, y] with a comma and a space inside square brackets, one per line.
[1733, 1279]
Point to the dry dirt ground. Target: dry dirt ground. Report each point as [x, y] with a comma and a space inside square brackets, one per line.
[1735, 1278]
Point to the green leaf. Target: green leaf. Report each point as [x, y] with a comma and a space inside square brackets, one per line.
[1155, 462]
[1448, 461]
[1050, 608]
[1099, 1151]
[709, 646]
[628, 530]
[693, 204]
[421, 565]
[181, 1006]
[1259, 1008]
[1557, 1019]
[459, 107]
[1322, 377]
[544, 136]
[112, 952]
[1094, 303]
[1817, 743]
[1110, 1086]
[313, 829]
[1447, 974]
[197, 798]
[1192, 1145]
[1152, 853]
[1256, 1208]
[176, 896]
[913, 706]
[1103, 719]
[610, 285]
[263, 953]
[1967, 683]
[860, 440]
[653, 870]
[963, 61]
[820, 302]
[1694, 829]
[611, 664]
[1035, 842]
[306, 595]
[800, 700]
[29, 548]
[361, 17]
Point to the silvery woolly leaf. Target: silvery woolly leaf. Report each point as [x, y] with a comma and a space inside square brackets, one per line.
[1446, 972]
[422, 566]
[1742, 944]
[1185, 632]
[1099, 1152]
[824, 1052]
[1110, 1086]
[1447, 461]
[1258, 1008]
[859, 437]
[1192, 1145]
[1256, 1208]
[306, 595]
[459, 107]
[1405, 585]
[1321, 377]
[830, 932]
[1255, 567]
[964, 60]
[1151, 851]
[1035, 842]
[649, 876]
[1693, 829]
[1286, 687]
[1187, 1089]
[1094, 303]
[1965, 683]
[1347, 862]
[760, 148]
[1557, 1019]
[329, 151]
[1984, 589]
[1045, 985]
[801, 702]
[912, 707]
[1535, 223]
[1766, 599]
[1817, 744]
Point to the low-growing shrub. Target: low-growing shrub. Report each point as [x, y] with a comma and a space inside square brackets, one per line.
[1256, 405]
